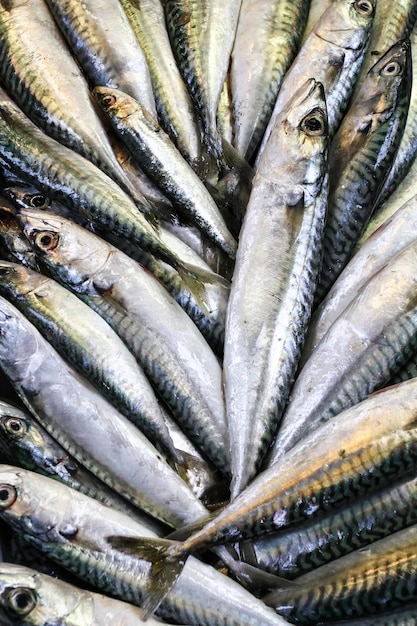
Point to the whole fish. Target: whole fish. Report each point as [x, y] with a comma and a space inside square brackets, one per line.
[333, 54]
[171, 350]
[361, 155]
[273, 292]
[39, 72]
[267, 39]
[106, 48]
[86, 425]
[153, 150]
[72, 530]
[173, 101]
[371, 444]
[30, 598]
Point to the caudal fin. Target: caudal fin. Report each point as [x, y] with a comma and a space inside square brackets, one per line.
[167, 561]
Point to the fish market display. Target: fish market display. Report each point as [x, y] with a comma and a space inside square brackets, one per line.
[208, 312]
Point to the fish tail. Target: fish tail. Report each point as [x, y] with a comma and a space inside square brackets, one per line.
[167, 561]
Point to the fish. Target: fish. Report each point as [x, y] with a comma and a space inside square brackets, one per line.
[332, 54]
[106, 48]
[361, 155]
[153, 150]
[35, 599]
[175, 109]
[378, 577]
[72, 529]
[372, 444]
[271, 293]
[23, 442]
[96, 434]
[256, 70]
[86, 341]
[386, 296]
[29, 39]
[171, 350]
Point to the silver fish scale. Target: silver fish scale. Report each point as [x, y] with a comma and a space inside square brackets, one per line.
[345, 497]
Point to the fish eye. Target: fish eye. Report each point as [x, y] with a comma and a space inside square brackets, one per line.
[314, 124]
[4, 271]
[8, 496]
[364, 7]
[15, 426]
[22, 601]
[108, 100]
[46, 240]
[38, 201]
[391, 69]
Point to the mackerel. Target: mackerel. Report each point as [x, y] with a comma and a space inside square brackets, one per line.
[373, 443]
[271, 294]
[333, 54]
[388, 295]
[311, 544]
[171, 350]
[63, 174]
[34, 599]
[38, 70]
[361, 155]
[202, 34]
[106, 48]
[367, 581]
[72, 530]
[25, 443]
[98, 436]
[256, 71]
[86, 341]
[173, 102]
[153, 150]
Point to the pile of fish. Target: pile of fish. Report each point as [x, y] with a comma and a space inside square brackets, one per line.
[208, 312]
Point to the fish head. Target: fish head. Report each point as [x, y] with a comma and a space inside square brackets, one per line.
[28, 504]
[63, 247]
[16, 278]
[346, 23]
[301, 129]
[18, 593]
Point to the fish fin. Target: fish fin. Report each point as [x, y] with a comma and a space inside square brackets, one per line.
[257, 580]
[195, 279]
[167, 562]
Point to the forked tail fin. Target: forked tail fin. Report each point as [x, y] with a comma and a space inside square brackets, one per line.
[167, 561]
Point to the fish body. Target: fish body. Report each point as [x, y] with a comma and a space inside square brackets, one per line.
[72, 529]
[153, 150]
[26, 444]
[361, 325]
[86, 425]
[273, 292]
[202, 35]
[86, 341]
[372, 443]
[55, 95]
[376, 578]
[106, 48]
[361, 155]
[172, 351]
[267, 39]
[173, 102]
